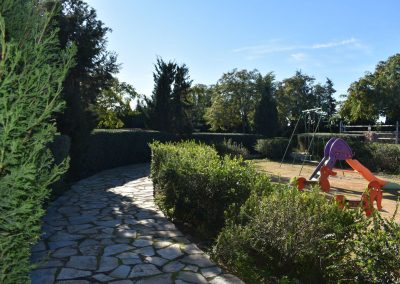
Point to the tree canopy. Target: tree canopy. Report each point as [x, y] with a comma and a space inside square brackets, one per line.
[375, 94]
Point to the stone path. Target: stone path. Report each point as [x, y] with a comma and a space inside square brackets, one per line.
[107, 229]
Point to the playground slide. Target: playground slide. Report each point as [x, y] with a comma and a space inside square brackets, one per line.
[366, 173]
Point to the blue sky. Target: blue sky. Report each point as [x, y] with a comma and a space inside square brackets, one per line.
[339, 39]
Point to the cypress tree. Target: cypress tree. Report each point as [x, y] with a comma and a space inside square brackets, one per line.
[266, 114]
[32, 71]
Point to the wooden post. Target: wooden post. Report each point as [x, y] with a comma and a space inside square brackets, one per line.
[397, 132]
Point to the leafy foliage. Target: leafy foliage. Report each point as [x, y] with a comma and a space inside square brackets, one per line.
[375, 94]
[232, 148]
[200, 97]
[236, 97]
[272, 148]
[32, 71]
[372, 255]
[285, 233]
[113, 105]
[194, 185]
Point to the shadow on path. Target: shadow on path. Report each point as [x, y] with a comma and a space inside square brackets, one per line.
[107, 229]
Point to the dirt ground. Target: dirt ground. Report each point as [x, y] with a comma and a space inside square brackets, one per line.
[351, 184]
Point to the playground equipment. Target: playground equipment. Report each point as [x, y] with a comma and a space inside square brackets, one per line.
[338, 150]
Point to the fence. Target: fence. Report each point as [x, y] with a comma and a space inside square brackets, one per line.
[378, 132]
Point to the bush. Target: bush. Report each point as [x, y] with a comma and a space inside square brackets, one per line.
[227, 147]
[114, 148]
[247, 140]
[194, 185]
[286, 233]
[372, 255]
[273, 148]
[386, 157]
[32, 70]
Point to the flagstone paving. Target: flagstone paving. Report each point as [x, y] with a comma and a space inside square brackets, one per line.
[107, 229]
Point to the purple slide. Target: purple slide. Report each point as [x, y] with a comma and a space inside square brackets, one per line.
[336, 149]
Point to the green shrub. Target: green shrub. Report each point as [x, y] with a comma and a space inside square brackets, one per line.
[286, 233]
[228, 147]
[386, 157]
[194, 185]
[372, 255]
[247, 140]
[32, 70]
[114, 148]
[273, 148]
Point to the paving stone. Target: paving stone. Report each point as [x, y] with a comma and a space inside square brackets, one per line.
[142, 243]
[162, 244]
[121, 271]
[81, 219]
[127, 234]
[73, 282]
[64, 252]
[141, 270]
[114, 249]
[51, 263]
[76, 228]
[40, 246]
[170, 252]
[146, 251]
[191, 249]
[211, 271]
[159, 261]
[226, 279]
[122, 282]
[71, 273]
[60, 244]
[43, 276]
[197, 259]
[191, 277]
[107, 263]
[192, 268]
[82, 262]
[173, 266]
[103, 278]
[163, 278]
[63, 236]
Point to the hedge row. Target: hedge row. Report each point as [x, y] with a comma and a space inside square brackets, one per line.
[271, 232]
[113, 148]
[194, 185]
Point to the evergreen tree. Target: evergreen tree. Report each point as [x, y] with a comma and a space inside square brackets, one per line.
[92, 73]
[180, 104]
[32, 71]
[159, 105]
[266, 115]
[168, 108]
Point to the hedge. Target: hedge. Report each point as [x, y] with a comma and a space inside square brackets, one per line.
[273, 148]
[108, 149]
[194, 185]
[113, 148]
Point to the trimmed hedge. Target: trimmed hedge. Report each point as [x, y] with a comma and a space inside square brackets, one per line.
[273, 148]
[113, 148]
[194, 185]
[247, 140]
